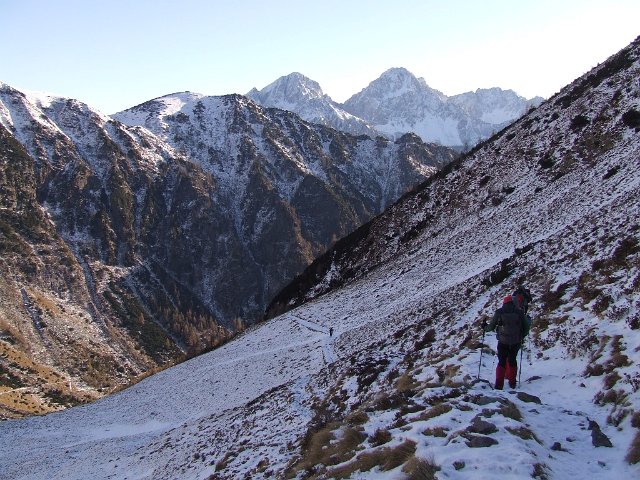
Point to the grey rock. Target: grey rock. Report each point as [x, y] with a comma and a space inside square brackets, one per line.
[459, 464]
[525, 397]
[480, 441]
[480, 426]
[598, 438]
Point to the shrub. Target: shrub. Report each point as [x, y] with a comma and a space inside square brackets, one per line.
[427, 339]
[578, 122]
[380, 437]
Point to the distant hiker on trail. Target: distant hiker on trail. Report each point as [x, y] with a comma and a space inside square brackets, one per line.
[331, 331]
[511, 327]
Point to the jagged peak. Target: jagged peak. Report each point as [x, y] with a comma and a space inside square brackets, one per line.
[292, 86]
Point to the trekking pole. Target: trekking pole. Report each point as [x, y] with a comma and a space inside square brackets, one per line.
[520, 372]
[484, 323]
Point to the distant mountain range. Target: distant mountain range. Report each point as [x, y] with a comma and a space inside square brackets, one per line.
[397, 103]
[128, 241]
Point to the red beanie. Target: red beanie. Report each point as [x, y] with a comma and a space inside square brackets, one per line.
[507, 299]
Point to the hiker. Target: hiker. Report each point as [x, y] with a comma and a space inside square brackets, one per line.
[511, 327]
[522, 298]
[331, 331]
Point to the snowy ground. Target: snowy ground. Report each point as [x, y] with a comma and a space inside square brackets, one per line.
[253, 398]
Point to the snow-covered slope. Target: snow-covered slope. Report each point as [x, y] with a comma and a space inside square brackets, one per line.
[494, 105]
[552, 201]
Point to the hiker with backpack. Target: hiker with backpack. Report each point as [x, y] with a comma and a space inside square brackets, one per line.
[511, 325]
[522, 298]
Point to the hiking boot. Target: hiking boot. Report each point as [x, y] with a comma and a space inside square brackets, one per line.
[512, 384]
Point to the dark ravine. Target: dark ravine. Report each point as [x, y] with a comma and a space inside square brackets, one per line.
[135, 245]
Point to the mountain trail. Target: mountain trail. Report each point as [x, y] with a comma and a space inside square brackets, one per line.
[327, 342]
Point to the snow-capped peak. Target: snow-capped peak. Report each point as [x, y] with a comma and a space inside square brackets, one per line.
[290, 88]
[399, 81]
[299, 94]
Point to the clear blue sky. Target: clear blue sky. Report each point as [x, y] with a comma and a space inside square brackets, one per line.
[115, 54]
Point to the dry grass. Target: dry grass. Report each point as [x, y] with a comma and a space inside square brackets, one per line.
[420, 468]
[386, 458]
[329, 446]
[318, 446]
[380, 437]
[435, 411]
[633, 454]
[540, 471]
[551, 300]
[635, 419]
[38, 391]
[364, 463]
[435, 432]
[45, 303]
[357, 418]
[222, 464]
[385, 401]
[397, 456]
[611, 380]
[406, 383]
[12, 334]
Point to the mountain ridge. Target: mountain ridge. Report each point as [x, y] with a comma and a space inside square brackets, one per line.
[400, 386]
[398, 102]
[175, 229]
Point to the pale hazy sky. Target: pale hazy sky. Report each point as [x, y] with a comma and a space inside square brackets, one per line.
[115, 54]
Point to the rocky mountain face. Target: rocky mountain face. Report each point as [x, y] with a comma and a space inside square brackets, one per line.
[378, 367]
[399, 102]
[290, 188]
[125, 246]
[304, 96]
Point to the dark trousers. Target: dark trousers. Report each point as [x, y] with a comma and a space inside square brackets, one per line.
[507, 364]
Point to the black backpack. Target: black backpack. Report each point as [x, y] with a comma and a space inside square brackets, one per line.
[510, 327]
[522, 298]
